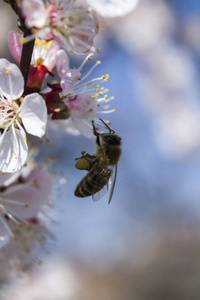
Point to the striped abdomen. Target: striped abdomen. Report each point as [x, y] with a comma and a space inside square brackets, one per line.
[93, 181]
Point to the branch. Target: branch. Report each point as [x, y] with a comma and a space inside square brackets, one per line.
[27, 51]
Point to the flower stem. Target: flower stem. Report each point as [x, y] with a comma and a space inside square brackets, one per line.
[27, 51]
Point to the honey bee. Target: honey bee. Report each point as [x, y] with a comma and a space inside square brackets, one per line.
[101, 167]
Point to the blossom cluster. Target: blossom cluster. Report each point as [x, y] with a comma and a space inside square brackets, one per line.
[40, 89]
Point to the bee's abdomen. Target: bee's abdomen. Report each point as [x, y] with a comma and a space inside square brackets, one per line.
[93, 182]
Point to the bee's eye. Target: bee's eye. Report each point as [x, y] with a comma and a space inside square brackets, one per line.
[109, 139]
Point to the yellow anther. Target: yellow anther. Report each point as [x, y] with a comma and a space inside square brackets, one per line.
[102, 88]
[3, 173]
[24, 138]
[51, 159]
[26, 205]
[21, 99]
[98, 105]
[34, 181]
[33, 31]
[100, 94]
[19, 224]
[7, 72]
[89, 19]
[22, 40]
[112, 98]
[2, 203]
[14, 238]
[46, 44]
[79, 78]
[106, 96]
[97, 26]
[98, 62]
[16, 157]
[103, 76]
[108, 123]
[113, 110]
[39, 61]
[90, 56]
[28, 226]
[97, 90]
[37, 42]
[97, 86]
[106, 90]
[107, 106]
[71, 19]
[107, 76]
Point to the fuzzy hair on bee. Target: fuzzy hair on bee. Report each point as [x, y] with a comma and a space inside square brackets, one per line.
[101, 167]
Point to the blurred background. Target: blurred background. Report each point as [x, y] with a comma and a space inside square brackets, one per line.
[146, 244]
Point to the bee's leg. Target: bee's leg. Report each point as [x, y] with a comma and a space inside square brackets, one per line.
[83, 155]
[90, 157]
[96, 133]
[86, 156]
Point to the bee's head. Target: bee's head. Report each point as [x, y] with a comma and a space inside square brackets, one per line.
[106, 138]
[110, 139]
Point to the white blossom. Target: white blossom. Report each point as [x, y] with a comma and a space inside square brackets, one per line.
[18, 115]
[113, 8]
[74, 28]
[83, 97]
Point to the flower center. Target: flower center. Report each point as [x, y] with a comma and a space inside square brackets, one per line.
[8, 113]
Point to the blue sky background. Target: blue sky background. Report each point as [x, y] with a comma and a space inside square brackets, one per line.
[153, 190]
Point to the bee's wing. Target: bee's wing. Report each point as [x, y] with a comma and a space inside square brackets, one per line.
[109, 186]
[100, 194]
[112, 182]
[104, 177]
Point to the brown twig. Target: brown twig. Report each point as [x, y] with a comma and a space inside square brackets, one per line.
[27, 51]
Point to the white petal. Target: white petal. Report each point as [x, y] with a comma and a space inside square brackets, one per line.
[8, 178]
[34, 13]
[34, 114]
[66, 125]
[14, 45]
[84, 126]
[68, 80]
[4, 235]
[50, 59]
[11, 80]
[13, 150]
[112, 8]
[62, 62]
[82, 34]
[26, 199]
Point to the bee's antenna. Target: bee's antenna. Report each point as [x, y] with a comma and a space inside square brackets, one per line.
[111, 131]
[96, 133]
